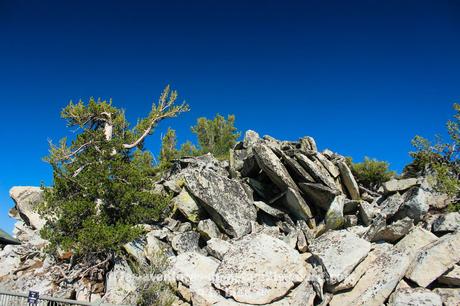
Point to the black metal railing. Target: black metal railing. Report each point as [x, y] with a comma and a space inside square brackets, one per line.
[8, 298]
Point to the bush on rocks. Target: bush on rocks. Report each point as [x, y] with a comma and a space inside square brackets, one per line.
[371, 173]
[440, 160]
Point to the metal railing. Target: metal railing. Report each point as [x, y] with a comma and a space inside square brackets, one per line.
[8, 298]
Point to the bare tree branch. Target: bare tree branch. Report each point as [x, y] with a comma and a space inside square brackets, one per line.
[67, 156]
[162, 111]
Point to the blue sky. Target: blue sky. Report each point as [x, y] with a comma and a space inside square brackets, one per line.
[362, 77]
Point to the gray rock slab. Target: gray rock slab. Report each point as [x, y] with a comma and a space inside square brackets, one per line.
[394, 231]
[415, 240]
[351, 280]
[320, 174]
[379, 281]
[435, 259]
[26, 199]
[217, 247]
[224, 199]
[259, 269]
[273, 167]
[339, 252]
[414, 296]
[348, 180]
[395, 185]
[269, 209]
[319, 195]
[449, 222]
[186, 242]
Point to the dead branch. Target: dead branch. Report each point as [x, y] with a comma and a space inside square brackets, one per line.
[163, 110]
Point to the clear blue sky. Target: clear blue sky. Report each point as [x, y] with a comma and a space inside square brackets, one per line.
[362, 77]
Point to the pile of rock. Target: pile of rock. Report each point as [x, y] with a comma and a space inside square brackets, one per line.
[281, 223]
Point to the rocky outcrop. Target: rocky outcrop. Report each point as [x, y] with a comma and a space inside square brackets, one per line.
[280, 223]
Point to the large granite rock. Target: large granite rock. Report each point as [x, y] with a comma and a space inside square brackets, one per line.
[351, 280]
[380, 279]
[339, 252]
[195, 271]
[224, 199]
[395, 185]
[186, 242]
[120, 283]
[449, 222]
[208, 229]
[348, 180]
[435, 259]
[334, 216]
[367, 211]
[391, 205]
[394, 231]
[319, 195]
[295, 169]
[26, 199]
[414, 296]
[272, 166]
[259, 269]
[297, 206]
[415, 204]
[317, 171]
[217, 247]
[413, 242]
[331, 168]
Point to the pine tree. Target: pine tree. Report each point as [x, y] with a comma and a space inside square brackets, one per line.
[216, 136]
[168, 148]
[102, 180]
